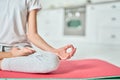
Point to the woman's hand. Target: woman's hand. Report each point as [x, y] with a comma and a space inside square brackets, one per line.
[63, 52]
[21, 52]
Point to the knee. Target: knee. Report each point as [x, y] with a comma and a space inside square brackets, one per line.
[47, 67]
[50, 63]
[52, 67]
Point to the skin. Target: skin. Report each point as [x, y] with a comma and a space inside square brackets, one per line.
[38, 41]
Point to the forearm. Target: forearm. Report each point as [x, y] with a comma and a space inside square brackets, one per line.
[33, 34]
[5, 55]
[40, 43]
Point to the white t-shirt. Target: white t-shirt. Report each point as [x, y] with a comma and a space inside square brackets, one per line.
[13, 19]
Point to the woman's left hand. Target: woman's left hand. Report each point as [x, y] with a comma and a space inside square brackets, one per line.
[63, 52]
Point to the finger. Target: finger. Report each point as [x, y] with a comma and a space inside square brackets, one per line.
[31, 49]
[72, 52]
[70, 49]
[68, 57]
[68, 46]
[23, 53]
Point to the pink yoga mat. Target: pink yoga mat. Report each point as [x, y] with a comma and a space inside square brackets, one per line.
[87, 68]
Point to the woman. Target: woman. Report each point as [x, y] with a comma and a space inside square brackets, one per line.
[16, 38]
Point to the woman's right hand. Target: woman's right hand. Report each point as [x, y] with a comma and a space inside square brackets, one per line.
[16, 52]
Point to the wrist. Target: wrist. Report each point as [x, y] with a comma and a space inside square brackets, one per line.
[10, 54]
[55, 50]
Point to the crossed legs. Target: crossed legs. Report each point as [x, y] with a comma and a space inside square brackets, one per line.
[35, 63]
[23, 60]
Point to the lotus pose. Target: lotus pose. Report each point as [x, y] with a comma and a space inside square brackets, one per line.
[18, 29]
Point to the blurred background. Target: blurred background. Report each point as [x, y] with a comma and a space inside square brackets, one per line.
[92, 26]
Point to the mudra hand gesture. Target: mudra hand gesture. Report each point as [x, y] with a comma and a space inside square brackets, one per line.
[63, 53]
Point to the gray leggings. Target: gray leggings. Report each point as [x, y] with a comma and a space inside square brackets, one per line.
[40, 62]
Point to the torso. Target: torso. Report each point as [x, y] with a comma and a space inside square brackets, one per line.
[13, 19]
